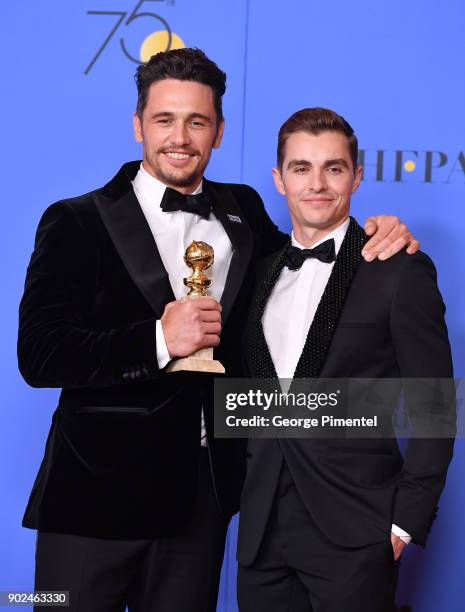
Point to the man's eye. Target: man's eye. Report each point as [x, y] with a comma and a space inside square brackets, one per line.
[197, 123]
[300, 169]
[334, 170]
[163, 121]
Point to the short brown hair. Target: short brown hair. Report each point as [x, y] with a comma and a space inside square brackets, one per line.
[184, 65]
[315, 121]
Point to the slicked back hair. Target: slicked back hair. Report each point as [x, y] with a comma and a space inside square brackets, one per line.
[315, 121]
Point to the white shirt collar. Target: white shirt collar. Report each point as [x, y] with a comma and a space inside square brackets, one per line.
[338, 234]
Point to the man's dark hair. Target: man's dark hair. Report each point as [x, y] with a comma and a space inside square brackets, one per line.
[183, 65]
[314, 121]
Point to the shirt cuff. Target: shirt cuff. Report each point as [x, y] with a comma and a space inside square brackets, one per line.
[403, 535]
[163, 356]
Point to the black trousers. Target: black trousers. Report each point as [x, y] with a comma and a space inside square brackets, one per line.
[178, 573]
[299, 570]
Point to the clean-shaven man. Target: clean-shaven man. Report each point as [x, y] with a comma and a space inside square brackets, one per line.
[133, 497]
[323, 522]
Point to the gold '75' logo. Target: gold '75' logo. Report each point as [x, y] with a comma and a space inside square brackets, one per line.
[158, 41]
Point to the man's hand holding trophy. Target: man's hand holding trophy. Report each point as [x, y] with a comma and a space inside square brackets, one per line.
[192, 326]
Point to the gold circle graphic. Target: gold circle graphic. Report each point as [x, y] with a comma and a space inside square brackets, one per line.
[158, 41]
[409, 165]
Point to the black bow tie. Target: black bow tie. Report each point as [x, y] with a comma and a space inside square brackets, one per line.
[325, 252]
[197, 204]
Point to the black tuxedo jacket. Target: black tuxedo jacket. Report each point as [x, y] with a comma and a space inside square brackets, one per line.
[121, 456]
[383, 319]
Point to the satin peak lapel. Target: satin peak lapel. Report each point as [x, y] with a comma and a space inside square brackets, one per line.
[135, 244]
[227, 210]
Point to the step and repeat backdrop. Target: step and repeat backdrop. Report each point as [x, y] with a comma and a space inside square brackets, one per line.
[394, 69]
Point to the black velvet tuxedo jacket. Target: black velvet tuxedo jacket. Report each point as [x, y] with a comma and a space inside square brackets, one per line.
[383, 319]
[122, 453]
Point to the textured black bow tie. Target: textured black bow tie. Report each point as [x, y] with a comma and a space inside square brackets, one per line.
[198, 204]
[325, 252]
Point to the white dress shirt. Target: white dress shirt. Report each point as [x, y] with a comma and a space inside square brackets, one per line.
[173, 232]
[292, 306]
[290, 311]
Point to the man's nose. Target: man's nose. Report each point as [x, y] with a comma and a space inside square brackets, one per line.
[180, 135]
[317, 181]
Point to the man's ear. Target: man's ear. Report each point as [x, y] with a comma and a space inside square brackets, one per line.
[357, 179]
[278, 181]
[138, 135]
[219, 134]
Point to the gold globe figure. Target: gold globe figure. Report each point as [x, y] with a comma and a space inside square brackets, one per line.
[199, 256]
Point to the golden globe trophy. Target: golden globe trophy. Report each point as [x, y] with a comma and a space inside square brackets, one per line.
[199, 256]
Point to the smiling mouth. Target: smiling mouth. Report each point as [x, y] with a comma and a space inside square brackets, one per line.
[318, 200]
[174, 155]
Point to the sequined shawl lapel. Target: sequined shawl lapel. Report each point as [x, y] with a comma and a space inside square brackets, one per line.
[330, 307]
[321, 331]
[260, 363]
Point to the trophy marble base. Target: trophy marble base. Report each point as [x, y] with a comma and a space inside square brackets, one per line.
[200, 361]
